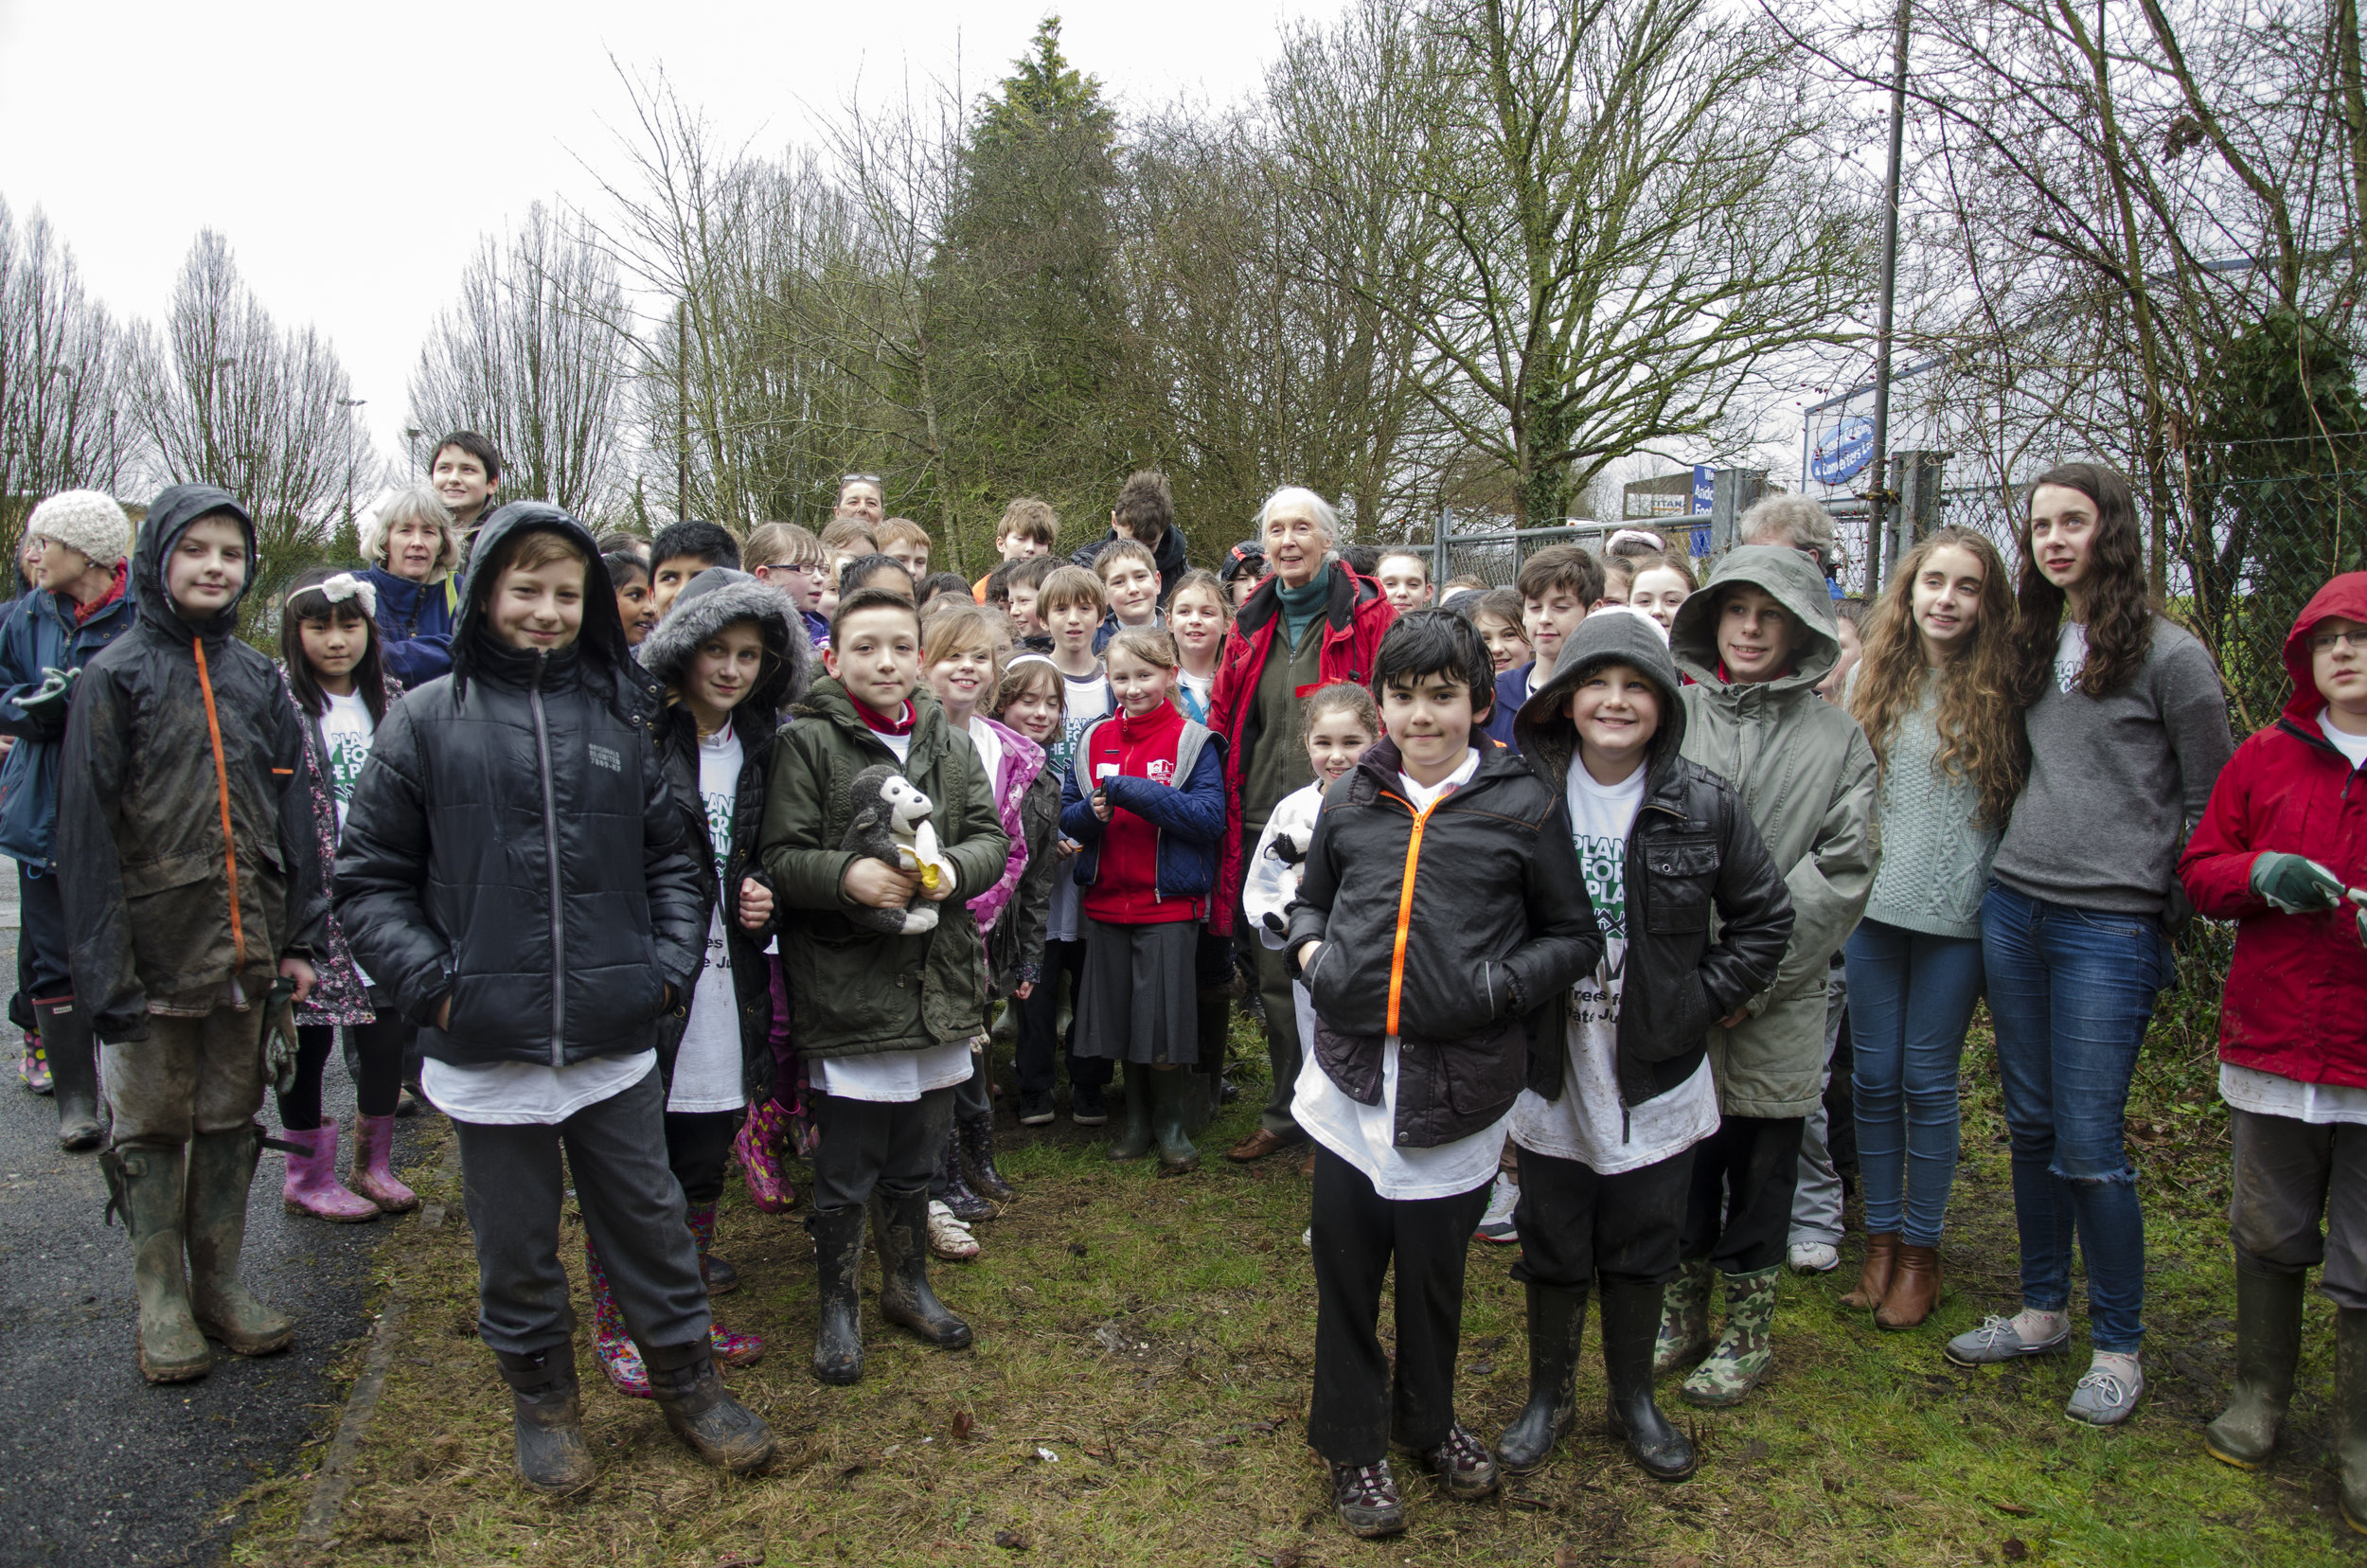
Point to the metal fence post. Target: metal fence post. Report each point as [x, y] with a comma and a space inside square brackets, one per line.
[1439, 554]
[1732, 492]
[1916, 480]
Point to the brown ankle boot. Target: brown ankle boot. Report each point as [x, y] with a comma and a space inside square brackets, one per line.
[1915, 1289]
[1874, 1280]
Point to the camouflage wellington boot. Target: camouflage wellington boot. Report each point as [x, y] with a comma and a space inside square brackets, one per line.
[1740, 1358]
[1684, 1317]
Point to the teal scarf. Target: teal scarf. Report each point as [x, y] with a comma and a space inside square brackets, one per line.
[1303, 604]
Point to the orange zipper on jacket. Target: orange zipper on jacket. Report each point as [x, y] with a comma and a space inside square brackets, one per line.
[1405, 898]
[222, 787]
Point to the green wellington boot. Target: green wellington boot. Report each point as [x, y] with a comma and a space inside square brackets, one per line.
[2268, 1348]
[221, 1168]
[2350, 1412]
[1684, 1318]
[1171, 1093]
[1743, 1352]
[1134, 1142]
[145, 1184]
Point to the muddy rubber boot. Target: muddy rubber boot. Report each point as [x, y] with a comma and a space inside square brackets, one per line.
[1685, 1319]
[311, 1185]
[1745, 1349]
[976, 1136]
[546, 1419]
[1135, 1141]
[965, 1205]
[373, 1166]
[1556, 1323]
[700, 1410]
[221, 1168]
[1216, 1019]
[838, 1260]
[1631, 1316]
[2350, 1412]
[731, 1349]
[905, 1298]
[73, 1072]
[1171, 1091]
[145, 1184]
[2268, 1348]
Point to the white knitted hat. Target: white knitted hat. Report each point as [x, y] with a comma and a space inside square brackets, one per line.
[84, 520]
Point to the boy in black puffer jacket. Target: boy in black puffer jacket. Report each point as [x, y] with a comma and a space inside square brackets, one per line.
[191, 886]
[1440, 919]
[487, 878]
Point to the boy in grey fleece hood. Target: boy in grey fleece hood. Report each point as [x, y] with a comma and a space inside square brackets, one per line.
[1756, 640]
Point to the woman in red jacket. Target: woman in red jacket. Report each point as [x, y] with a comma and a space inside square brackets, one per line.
[2286, 834]
[1312, 622]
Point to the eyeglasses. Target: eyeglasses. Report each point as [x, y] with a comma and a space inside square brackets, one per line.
[792, 567]
[2323, 642]
[847, 479]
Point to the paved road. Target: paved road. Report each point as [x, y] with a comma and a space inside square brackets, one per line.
[97, 1467]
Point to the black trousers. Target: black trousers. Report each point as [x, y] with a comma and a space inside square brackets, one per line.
[699, 1151]
[377, 1051]
[41, 934]
[867, 1144]
[1040, 1038]
[1739, 1215]
[1578, 1226]
[1359, 1403]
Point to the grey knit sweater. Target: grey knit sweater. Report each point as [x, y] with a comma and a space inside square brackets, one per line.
[1936, 858]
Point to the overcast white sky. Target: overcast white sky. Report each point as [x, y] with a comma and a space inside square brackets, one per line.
[353, 154]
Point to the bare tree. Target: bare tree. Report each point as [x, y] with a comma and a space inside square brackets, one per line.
[60, 369]
[535, 354]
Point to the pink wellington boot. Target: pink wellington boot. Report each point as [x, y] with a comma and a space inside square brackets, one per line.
[730, 1348]
[34, 1066]
[618, 1356]
[373, 1176]
[313, 1186]
[758, 1146]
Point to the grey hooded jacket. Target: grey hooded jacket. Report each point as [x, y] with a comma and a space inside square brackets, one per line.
[1806, 773]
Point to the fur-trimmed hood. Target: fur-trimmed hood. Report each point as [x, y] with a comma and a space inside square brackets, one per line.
[712, 601]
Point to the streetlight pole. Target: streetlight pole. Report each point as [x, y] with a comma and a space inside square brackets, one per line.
[350, 404]
[412, 435]
[1878, 495]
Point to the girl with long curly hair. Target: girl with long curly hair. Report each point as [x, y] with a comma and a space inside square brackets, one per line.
[1934, 691]
[2126, 724]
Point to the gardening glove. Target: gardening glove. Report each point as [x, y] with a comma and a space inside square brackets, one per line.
[48, 700]
[280, 1036]
[2294, 885]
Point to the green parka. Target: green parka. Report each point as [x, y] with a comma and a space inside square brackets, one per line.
[852, 990]
[1804, 770]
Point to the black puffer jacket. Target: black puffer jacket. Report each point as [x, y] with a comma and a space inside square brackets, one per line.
[512, 843]
[1464, 971]
[1691, 854]
[177, 727]
[714, 599]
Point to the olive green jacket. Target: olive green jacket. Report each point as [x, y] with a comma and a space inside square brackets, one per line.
[854, 991]
[1804, 770]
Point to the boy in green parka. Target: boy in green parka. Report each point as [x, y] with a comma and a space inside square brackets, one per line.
[885, 1021]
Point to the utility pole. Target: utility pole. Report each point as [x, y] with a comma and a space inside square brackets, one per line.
[350, 404]
[1878, 496]
[681, 409]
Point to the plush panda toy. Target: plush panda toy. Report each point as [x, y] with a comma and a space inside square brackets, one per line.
[891, 824]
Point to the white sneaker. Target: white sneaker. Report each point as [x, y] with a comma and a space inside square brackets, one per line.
[1496, 1224]
[948, 1238]
[1814, 1257]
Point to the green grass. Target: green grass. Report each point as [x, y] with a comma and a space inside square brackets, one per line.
[1155, 1336]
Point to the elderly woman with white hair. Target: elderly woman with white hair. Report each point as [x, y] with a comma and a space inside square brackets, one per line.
[414, 558]
[1312, 622]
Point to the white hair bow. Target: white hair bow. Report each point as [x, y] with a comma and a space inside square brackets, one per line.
[344, 585]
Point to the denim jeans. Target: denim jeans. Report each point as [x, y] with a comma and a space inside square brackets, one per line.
[1910, 997]
[2070, 991]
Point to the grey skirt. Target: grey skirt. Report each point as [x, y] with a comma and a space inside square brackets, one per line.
[1140, 1000]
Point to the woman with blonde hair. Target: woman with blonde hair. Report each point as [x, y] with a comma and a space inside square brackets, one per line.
[1935, 693]
[414, 562]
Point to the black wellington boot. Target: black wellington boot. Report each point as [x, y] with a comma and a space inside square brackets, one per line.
[2350, 1412]
[1630, 1325]
[547, 1419]
[965, 1205]
[73, 1070]
[905, 1298]
[702, 1412]
[838, 1258]
[2268, 1348]
[1135, 1141]
[1557, 1320]
[977, 1134]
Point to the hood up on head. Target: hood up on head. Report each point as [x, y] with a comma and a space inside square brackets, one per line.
[1786, 575]
[712, 601]
[169, 517]
[1613, 636]
[2344, 597]
[603, 630]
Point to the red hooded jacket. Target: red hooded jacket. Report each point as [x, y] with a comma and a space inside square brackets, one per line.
[2296, 1002]
[1354, 617]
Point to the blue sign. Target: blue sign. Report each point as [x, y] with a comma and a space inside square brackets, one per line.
[1847, 447]
[1704, 487]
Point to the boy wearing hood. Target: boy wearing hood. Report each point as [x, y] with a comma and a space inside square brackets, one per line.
[2285, 836]
[1615, 1102]
[516, 870]
[1756, 640]
[190, 891]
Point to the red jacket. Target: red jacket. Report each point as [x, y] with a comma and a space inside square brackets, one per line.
[1354, 619]
[2296, 1002]
[1124, 891]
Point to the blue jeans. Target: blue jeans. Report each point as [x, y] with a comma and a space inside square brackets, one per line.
[2071, 992]
[1910, 997]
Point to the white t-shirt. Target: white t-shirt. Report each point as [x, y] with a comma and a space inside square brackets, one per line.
[896, 1076]
[2267, 1095]
[529, 1094]
[2071, 655]
[706, 1064]
[2351, 746]
[1088, 703]
[983, 735]
[1195, 690]
[1588, 1124]
[1365, 1135]
[346, 732]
